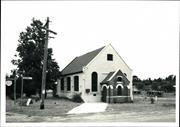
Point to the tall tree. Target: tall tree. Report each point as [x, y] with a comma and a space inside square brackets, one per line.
[30, 57]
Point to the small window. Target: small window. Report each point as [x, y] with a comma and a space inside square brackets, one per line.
[62, 84]
[68, 83]
[125, 74]
[119, 79]
[109, 57]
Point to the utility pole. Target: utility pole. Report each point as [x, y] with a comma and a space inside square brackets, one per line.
[22, 84]
[43, 86]
[21, 89]
[15, 87]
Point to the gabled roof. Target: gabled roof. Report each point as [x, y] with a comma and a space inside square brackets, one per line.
[111, 75]
[77, 64]
[105, 81]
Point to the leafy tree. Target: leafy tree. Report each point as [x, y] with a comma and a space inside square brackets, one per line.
[140, 86]
[158, 84]
[137, 82]
[30, 58]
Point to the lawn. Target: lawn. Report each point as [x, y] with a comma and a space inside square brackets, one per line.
[142, 110]
[140, 105]
[53, 107]
[55, 111]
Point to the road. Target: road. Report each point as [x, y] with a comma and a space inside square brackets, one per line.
[95, 117]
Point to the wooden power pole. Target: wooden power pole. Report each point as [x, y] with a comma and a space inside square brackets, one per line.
[43, 87]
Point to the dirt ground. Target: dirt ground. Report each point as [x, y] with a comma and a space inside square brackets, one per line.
[140, 111]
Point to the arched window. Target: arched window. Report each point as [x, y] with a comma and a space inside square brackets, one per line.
[68, 83]
[62, 84]
[76, 83]
[119, 90]
[94, 81]
[119, 78]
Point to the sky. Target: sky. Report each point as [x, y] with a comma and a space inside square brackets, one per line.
[144, 33]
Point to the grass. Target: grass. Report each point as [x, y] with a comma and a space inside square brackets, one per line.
[144, 105]
[55, 111]
[53, 107]
[143, 110]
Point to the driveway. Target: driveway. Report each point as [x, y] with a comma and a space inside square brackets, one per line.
[89, 108]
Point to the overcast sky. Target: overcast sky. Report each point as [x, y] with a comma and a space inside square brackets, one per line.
[144, 33]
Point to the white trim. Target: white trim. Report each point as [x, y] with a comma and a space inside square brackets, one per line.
[104, 85]
[120, 85]
[121, 79]
[113, 74]
[128, 86]
[110, 86]
[120, 57]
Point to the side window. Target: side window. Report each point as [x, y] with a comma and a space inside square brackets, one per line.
[68, 83]
[94, 81]
[62, 84]
[109, 57]
[76, 83]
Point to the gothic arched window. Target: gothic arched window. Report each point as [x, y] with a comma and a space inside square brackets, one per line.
[76, 83]
[94, 81]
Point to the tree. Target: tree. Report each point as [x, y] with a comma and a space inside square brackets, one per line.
[137, 82]
[170, 82]
[30, 58]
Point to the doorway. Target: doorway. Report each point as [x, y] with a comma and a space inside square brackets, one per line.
[104, 93]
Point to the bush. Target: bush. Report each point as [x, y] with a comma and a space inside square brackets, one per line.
[77, 98]
[56, 96]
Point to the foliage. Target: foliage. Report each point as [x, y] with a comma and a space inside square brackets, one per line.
[77, 98]
[158, 84]
[29, 58]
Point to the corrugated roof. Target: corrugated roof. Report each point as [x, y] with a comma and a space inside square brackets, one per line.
[77, 64]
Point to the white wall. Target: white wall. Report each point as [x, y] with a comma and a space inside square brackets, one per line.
[102, 66]
[70, 93]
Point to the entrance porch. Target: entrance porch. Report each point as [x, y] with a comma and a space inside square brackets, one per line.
[115, 88]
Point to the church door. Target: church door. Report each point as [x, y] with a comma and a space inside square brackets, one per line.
[104, 94]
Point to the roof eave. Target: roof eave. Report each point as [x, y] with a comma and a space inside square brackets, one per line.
[72, 73]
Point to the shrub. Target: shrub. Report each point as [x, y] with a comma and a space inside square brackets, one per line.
[77, 98]
[56, 96]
